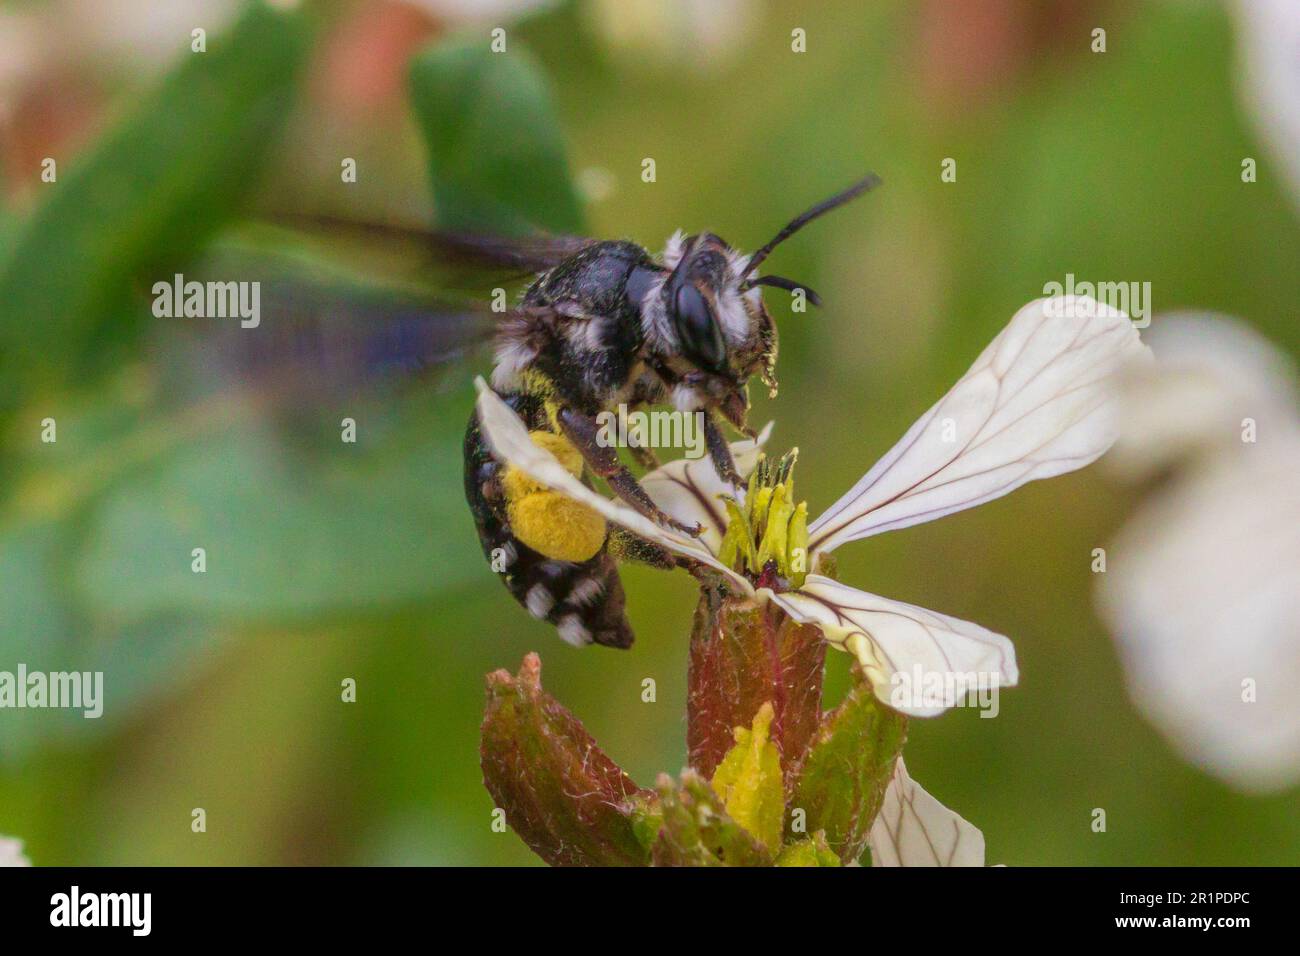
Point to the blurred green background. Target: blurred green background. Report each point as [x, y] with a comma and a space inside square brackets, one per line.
[330, 561]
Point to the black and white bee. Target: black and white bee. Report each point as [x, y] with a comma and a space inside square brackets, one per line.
[606, 324]
[602, 324]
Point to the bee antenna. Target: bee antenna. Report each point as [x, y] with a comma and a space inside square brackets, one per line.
[781, 282]
[870, 181]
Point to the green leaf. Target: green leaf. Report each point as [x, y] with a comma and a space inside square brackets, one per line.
[43, 629]
[147, 195]
[371, 526]
[568, 801]
[843, 780]
[497, 160]
[96, 540]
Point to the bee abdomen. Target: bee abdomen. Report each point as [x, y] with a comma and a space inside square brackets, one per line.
[584, 600]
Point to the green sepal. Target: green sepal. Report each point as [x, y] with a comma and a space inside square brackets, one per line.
[743, 654]
[813, 851]
[842, 780]
[695, 828]
[565, 798]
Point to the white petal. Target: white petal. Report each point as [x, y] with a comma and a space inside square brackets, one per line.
[915, 829]
[1038, 402]
[919, 662]
[1202, 593]
[688, 489]
[508, 437]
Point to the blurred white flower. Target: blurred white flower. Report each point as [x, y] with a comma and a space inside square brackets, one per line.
[1268, 39]
[697, 34]
[914, 829]
[1038, 402]
[11, 852]
[1212, 372]
[138, 35]
[478, 10]
[1202, 590]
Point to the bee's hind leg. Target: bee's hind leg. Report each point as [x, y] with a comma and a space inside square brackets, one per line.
[626, 546]
[582, 431]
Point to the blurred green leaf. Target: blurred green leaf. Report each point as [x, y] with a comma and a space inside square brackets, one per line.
[284, 537]
[95, 547]
[43, 629]
[151, 191]
[497, 160]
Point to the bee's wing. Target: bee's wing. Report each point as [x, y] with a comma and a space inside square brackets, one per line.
[533, 252]
[315, 342]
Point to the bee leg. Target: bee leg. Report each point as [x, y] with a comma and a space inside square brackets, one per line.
[720, 451]
[583, 430]
[626, 546]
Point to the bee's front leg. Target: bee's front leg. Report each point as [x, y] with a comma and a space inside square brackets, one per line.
[720, 451]
[583, 430]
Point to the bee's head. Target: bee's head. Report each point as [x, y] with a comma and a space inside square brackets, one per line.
[713, 334]
[708, 322]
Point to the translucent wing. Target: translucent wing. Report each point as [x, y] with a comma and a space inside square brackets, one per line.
[531, 252]
[1039, 401]
[915, 829]
[918, 661]
[342, 337]
[508, 437]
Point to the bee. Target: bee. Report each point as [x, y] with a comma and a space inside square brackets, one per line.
[606, 324]
[602, 324]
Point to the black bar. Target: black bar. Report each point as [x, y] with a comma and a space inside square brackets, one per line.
[516, 906]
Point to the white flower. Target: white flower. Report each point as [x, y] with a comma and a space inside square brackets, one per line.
[11, 852]
[1268, 39]
[914, 829]
[1036, 403]
[1202, 590]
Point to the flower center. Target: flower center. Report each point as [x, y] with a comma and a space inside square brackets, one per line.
[767, 532]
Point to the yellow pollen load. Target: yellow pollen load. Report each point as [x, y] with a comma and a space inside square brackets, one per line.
[546, 520]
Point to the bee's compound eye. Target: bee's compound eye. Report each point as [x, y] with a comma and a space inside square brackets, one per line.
[699, 333]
